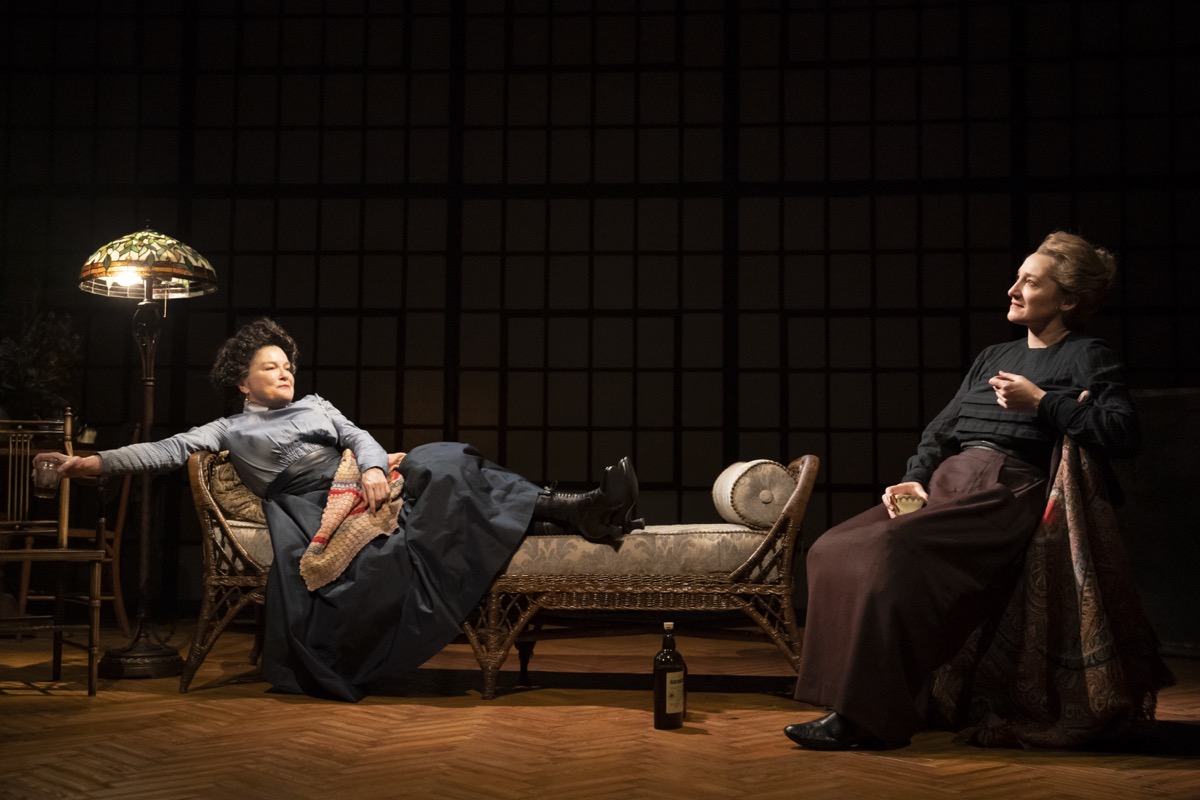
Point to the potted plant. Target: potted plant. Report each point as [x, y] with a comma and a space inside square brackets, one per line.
[37, 365]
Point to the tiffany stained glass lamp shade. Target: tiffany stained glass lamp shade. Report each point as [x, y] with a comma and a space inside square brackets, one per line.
[121, 269]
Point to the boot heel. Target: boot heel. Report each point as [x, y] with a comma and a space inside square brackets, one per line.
[619, 486]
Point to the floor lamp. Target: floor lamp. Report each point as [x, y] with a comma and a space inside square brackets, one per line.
[149, 267]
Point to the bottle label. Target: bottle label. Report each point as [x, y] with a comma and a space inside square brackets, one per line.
[674, 701]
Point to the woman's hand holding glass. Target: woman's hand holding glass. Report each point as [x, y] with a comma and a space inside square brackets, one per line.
[72, 466]
[908, 487]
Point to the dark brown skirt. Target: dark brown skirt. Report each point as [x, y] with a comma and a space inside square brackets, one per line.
[890, 600]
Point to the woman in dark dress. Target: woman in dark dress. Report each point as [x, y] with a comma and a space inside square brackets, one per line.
[894, 595]
[402, 597]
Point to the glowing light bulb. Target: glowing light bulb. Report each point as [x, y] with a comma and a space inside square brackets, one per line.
[127, 278]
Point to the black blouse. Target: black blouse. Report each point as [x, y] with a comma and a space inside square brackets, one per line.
[1104, 421]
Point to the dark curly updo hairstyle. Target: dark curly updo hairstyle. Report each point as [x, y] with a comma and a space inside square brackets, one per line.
[232, 364]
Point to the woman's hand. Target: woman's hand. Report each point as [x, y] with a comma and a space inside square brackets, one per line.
[908, 487]
[1016, 392]
[375, 488]
[72, 466]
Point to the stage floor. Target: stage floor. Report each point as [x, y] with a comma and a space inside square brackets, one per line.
[583, 730]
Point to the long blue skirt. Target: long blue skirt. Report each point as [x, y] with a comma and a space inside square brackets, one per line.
[404, 596]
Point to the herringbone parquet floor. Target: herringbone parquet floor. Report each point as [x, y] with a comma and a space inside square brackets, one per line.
[584, 731]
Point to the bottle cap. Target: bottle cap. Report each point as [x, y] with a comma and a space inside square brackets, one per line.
[668, 626]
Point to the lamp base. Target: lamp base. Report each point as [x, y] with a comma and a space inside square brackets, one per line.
[146, 656]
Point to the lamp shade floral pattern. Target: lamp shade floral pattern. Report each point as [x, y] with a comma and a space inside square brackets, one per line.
[120, 268]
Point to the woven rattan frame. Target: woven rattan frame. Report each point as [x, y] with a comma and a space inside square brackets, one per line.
[232, 579]
[760, 589]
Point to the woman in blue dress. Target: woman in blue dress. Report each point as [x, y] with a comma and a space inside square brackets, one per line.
[404, 596]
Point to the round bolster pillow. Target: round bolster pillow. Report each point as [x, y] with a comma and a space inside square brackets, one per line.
[753, 493]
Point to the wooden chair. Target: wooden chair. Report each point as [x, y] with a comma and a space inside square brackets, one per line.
[20, 440]
[110, 585]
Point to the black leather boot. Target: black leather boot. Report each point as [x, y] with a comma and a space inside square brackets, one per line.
[604, 512]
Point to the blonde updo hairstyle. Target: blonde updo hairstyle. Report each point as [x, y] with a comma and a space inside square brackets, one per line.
[1082, 271]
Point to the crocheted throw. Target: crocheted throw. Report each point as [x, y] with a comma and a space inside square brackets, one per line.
[347, 524]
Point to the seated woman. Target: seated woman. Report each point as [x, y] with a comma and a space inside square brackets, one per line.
[893, 595]
[403, 596]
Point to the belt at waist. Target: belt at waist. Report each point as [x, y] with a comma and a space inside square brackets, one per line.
[323, 461]
[980, 444]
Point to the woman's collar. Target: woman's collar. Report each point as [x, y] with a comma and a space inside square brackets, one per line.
[1043, 343]
[249, 407]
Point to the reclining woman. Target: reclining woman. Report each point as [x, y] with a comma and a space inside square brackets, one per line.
[402, 597]
[893, 595]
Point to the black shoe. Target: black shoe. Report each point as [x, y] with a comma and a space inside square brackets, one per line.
[603, 513]
[835, 732]
[620, 487]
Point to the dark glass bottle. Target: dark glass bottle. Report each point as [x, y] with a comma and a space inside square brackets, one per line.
[670, 683]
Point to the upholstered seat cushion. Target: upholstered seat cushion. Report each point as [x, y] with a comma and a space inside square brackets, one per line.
[705, 549]
[695, 549]
[658, 550]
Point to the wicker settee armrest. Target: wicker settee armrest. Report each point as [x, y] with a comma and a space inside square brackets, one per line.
[224, 553]
[234, 580]
[772, 561]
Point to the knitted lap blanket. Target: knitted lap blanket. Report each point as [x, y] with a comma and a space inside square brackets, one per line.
[347, 524]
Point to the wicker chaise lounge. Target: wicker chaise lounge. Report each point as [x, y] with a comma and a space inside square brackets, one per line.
[738, 568]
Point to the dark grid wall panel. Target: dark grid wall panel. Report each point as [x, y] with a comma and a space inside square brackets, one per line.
[693, 231]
